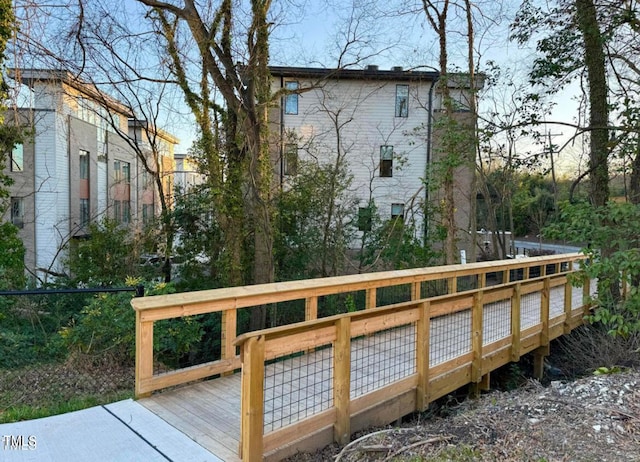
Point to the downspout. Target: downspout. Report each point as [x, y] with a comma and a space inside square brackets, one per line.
[282, 100]
[425, 223]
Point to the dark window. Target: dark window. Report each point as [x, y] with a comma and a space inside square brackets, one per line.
[397, 211]
[117, 211]
[364, 219]
[291, 100]
[290, 159]
[402, 100]
[17, 211]
[147, 213]
[17, 158]
[126, 172]
[84, 212]
[386, 161]
[126, 212]
[84, 165]
[117, 172]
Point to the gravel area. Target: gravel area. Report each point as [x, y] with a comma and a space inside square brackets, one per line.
[596, 418]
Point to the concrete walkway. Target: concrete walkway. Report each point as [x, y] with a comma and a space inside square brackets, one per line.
[123, 431]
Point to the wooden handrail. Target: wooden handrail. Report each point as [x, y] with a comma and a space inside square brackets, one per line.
[340, 331]
[228, 300]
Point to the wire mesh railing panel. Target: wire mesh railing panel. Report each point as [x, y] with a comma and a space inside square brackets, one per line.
[496, 321]
[577, 298]
[297, 387]
[382, 358]
[449, 337]
[434, 288]
[530, 310]
[556, 301]
[393, 294]
[467, 282]
[346, 302]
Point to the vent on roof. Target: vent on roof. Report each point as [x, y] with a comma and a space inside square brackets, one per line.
[372, 67]
[397, 68]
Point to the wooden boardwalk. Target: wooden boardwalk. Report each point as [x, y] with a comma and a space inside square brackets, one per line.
[209, 412]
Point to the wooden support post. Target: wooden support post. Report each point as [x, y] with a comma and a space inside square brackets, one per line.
[423, 328]
[526, 272]
[516, 299]
[311, 308]
[543, 351]
[228, 335]
[538, 361]
[144, 355]
[482, 282]
[342, 380]
[476, 337]
[483, 385]
[371, 301]
[252, 400]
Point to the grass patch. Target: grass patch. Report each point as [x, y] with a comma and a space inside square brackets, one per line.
[46, 409]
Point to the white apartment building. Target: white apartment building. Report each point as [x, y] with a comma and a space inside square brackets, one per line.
[74, 167]
[382, 122]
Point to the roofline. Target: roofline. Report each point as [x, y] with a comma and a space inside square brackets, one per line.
[29, 76]
[368, 73]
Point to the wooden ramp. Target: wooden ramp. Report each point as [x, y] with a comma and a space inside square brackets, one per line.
[306, 385]
[209, 412]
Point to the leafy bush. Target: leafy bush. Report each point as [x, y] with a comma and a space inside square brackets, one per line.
[612, 237]
[106, 326]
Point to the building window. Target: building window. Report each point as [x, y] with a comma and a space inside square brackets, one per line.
[84, 212]
[386, 161]
[17, 158]
[397, 211]
[402, 100]
[117, 211]
[291, 100]
[84, 165]
[290, 159]
[122, 171]
[126, 212]
[147, 213]
[364, 219]
[17, 211]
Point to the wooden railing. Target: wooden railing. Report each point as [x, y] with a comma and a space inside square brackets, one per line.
[228, 301]
[420, 351]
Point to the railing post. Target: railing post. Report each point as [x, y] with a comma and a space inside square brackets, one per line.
[311, 308]
[228, 331]
[416, 291]
[516, 300]
[568, 294]
[452, 285]
[476, 339]
[252, 399]
[540, 353]
[423, 327]
[144, 355]
[371, 301]
[342, 380]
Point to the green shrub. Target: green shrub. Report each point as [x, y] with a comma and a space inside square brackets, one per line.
[106, 326]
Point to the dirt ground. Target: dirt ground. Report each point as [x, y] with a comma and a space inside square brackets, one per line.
[596, 418]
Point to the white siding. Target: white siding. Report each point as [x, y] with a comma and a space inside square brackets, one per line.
[365, 113]
[51, 190]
